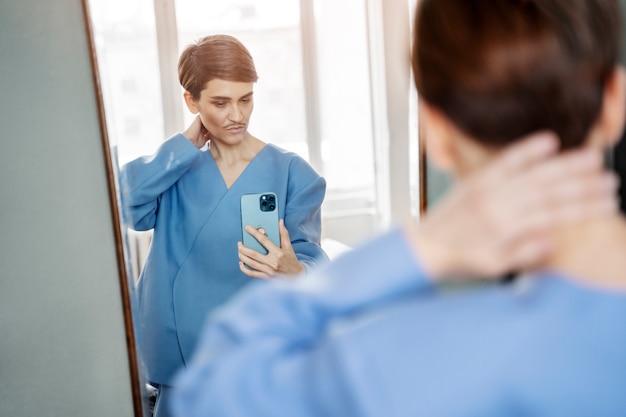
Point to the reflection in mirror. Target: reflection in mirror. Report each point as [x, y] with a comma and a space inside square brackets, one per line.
[138, 386]
[323, 89]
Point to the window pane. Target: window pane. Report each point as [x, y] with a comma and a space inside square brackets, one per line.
[270, 29]
[125, 38]
[345, 104]
[346, 120]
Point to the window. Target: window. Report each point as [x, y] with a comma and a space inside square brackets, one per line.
[125, 38]
[271, 31]
[333, 87]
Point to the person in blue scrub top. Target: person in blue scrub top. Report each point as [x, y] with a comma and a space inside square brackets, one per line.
[189, 193]
[376, 333]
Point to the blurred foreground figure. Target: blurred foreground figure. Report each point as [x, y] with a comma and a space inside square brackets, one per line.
[373, 333]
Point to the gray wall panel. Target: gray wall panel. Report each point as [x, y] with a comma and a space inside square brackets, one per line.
[62, 337]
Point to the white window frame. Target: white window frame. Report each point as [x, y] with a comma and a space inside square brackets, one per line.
[393, 110]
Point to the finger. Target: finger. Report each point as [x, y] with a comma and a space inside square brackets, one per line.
[568, 202]
[568, 168]
[251, 272]
[563, 181]
[261, 238]
[572, 213]
[530, 252]
[576, 191]
[597, 186]
[571, 164]
[256, 265]
[249, 255]
[524, 153]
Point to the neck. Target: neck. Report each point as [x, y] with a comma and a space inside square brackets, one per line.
[231, 154]
[592, 252]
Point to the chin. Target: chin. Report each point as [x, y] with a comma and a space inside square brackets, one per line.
[233, 139]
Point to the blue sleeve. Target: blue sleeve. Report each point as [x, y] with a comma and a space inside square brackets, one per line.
[303, 218]
[261, 354]
[144, 179]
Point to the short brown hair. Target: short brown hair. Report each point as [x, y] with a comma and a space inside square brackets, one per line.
[500, 69]
[215, 56]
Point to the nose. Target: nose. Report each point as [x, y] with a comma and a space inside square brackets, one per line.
[236, 115]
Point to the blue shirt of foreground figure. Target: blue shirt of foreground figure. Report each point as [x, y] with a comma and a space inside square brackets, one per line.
[364, 338]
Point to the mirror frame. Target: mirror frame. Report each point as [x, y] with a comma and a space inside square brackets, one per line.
[423, 172]
[123, 275]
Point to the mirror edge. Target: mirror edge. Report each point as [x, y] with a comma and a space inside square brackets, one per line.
[116, 218]
[423, 172]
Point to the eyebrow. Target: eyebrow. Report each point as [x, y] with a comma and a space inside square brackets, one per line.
[224, 98]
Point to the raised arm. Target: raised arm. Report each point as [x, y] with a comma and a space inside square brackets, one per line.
[144, 179]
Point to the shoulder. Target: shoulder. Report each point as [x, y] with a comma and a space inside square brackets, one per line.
[470, 315]
[487, 336]
[292, 160]
[301, 178]
[546, 306]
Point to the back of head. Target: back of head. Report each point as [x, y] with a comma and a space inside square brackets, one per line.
[214, 57]
[500, 69]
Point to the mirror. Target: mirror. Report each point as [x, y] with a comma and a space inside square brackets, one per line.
[64, 348]
[125, 258]
[335, 91]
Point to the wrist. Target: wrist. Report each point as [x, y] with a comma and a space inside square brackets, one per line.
[298, 269]
[194, 139]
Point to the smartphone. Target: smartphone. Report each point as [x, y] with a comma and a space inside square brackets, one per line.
[261, 211]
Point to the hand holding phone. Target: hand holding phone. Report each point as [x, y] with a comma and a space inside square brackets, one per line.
[260, 211]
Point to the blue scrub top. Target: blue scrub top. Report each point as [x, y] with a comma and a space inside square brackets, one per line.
[370, 335]
[193, 264]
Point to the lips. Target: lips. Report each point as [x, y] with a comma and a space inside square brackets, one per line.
[236, 129]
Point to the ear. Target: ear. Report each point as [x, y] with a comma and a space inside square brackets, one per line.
[190, 102]
[613, 112]
[439, 142]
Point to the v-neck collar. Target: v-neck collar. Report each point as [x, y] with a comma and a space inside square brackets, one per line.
[246, 169]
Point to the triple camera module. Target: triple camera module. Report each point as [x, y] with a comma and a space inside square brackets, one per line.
[268, 202]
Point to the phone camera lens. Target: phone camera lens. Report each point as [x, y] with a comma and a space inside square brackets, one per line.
[272, 207]
[271, 198]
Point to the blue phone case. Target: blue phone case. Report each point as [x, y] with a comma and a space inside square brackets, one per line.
[260, 210]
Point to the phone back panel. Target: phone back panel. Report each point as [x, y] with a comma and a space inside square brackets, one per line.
[260, 211]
